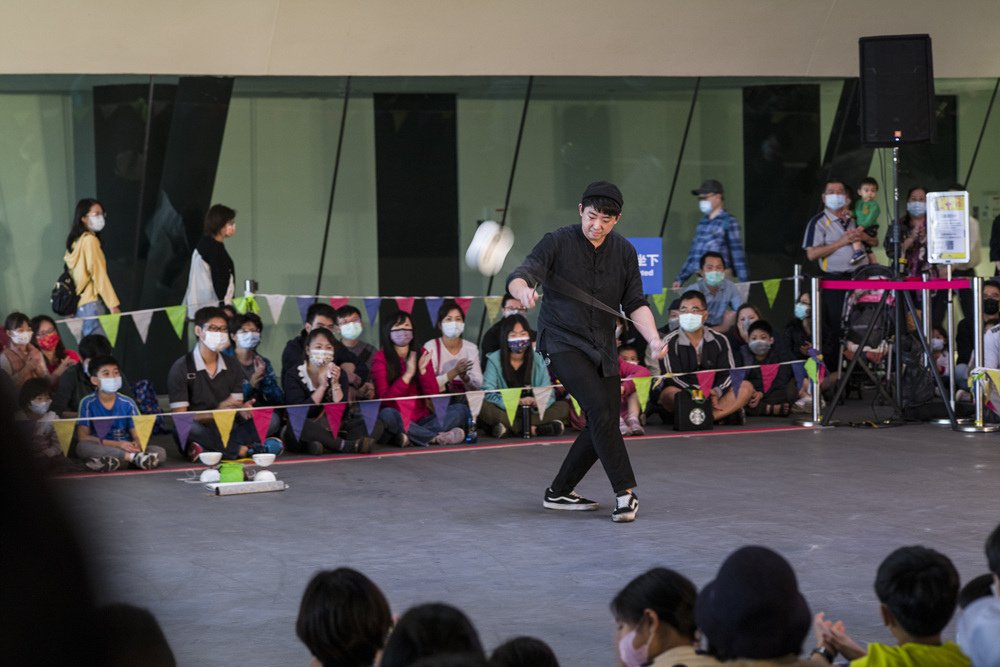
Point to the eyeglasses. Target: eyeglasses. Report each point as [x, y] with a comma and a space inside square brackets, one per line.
[695, 311]
[217, 329]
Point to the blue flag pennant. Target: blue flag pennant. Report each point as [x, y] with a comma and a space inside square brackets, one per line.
[182, 425]
[371, 305]
[304, 302]
[369, 412]
[440, 404]
[799, 370]
[296, 418]
[736, 377]
[433, 307]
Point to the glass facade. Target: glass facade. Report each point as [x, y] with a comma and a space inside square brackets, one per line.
[280, 141]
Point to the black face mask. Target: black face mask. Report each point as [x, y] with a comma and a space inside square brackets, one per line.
[991, 306]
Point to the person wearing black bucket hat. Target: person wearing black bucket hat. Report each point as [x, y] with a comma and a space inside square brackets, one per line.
[753, 610]
[717, 231]
[589, 272]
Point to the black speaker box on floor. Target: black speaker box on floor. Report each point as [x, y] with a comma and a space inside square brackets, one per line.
[897, 90]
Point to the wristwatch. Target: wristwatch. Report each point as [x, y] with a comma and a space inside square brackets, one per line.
[827, 654]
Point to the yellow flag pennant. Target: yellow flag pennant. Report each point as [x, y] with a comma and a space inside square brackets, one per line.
[576, 404]
[224, 421]
[110, 324]
[642, 390]
[176, 315]
[511, 397]
[493, 304]
[994, 377]
[64, 431]
[660, 300]
[144, 427]
[771, 288]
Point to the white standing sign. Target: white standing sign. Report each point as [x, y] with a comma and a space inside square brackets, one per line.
[948, 239]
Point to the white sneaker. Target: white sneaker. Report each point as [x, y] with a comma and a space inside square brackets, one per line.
[626, 506]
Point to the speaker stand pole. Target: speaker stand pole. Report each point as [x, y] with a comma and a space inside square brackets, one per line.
[897, 273]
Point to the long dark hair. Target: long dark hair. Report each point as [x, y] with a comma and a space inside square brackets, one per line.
[392, 360]
[506, 326]
[446, 307]
[76, 226]
[668, 593]
[431, 629]
[36, 322]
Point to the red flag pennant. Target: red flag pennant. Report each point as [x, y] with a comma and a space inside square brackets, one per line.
[339, 302]
[334, 415]
[768, 372]
[262, 421]
[705, 380]
[464, 302]
[405, 303]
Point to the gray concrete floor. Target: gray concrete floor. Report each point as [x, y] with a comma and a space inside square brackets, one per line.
[224, 575]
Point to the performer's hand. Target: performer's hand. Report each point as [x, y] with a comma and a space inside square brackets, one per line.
[658, 349]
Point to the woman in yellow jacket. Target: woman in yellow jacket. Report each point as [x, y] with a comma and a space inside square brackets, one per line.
[88, 267]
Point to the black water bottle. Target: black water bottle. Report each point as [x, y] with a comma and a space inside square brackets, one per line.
[525, 421]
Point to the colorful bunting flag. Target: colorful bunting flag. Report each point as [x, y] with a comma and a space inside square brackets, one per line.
[303, 302]
[433, 304]
[371, 307]
[771, 290]
[64, 431]
[334, 415]
[75, 327]
[275, 302]
[182, 425]
[475, 399]
[144, 428]
[262, 421]
[511, 397]
[177, 316]
[743, 289]
[240, 304]
[141, 321]
[369, 413]
[736, 377]
[493, 304]
[224, 422]
[440, 404]
[576, 405]
[296, 418]
[994, 377]
[799, 372]
[705, 381]
[542, 396]
[642, 385]
[464, 302]
[101, 427]
[252, 306]
[110, 324]
[660, 301]
[811, 372]
[767, 373]
[406, 409]
[339, 302]
[405, 303]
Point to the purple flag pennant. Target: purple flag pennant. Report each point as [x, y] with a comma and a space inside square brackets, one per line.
[799, 370]
[296, 418]
[371, 306]
[736, 377]
[440, 404]
[304, 302]
[101, 427]
[182, 425]
[433, 304]
[369, 412]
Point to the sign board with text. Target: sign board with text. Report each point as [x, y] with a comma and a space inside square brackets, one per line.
[948, 228]
[650, 252]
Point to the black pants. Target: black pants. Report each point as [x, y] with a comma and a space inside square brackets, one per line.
[831, 315]
[599, 398]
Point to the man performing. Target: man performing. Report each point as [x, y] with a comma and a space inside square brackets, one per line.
[589, 271]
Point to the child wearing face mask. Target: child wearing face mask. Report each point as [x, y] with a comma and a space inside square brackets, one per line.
[34, 400]
[629, 411]
[774, 389]
[21, 360]
[106, 433]
[940, 351]
[455, 359]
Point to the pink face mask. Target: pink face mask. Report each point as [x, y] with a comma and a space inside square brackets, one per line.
[631, 656]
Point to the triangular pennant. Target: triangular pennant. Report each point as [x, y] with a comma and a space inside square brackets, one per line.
[464, 302]
[475, 399]
[440, 404]
[542, 395]
[110, 324]
[705, 381]
[994, 377]
[75, 327]
[767, 373]
[101, 427]
[493, 304]
[371, 307]
[296, 418]
[771, 290]
[433, 304]
[141, 321]
[275, 302]
[405, 303]
[262, 421]
[660, 301]
[144, 428]
[334, 415]
[811, 372]
[240, 304]
[576, 405]
[642, 385]
[303, 303]
[64, 431]
[511, 397]
[736, 377]
[252, 306]
[369, 412]
[224, 422]
[406, 409]
[182, 426]
[177, 315]
[338, 302]
[799, 372]
[743, 289]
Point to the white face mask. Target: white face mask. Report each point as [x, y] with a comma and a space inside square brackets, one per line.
[705, 206]
[834, 202]
[690, 322]
[937, 344]
[111, 385]
[452, 329]
[351, 330]
[40, 407]
[20, 337]
[248, 340]
[320, 357]
[216, 340]
[95, 223]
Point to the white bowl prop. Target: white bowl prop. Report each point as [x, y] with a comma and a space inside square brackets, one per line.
[210, 458]
[263, 460]
[489, 247]
[210, 476]
[264, 475]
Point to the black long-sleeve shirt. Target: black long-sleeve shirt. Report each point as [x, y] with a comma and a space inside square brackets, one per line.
[609, 273]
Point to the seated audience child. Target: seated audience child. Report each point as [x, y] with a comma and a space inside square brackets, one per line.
[351, 327]
[654, 615]
[34, 399]
[630, 411]
[317, 381]
[344, 619]
[398, 374]
[761, 350]
[694, 348]
[455, 359]
[111, 441]
[917, 589]
[320, 315]
[21, 360]
[429, 630]
[75, 384]
[57, 358]
[523, 652]
[978, 632]
[517, 364]
[940, 350]
[203, 380]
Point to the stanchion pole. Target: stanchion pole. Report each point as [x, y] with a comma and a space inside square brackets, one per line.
[817, 342]
[797, 281]
[979, 425]
[925, 320]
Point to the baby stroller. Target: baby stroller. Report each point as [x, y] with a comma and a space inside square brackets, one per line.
[860, 313]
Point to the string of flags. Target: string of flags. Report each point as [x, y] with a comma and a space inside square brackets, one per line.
[177, 315]
[334, 412]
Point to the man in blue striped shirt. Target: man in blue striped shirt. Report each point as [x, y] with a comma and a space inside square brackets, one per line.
[717, 231]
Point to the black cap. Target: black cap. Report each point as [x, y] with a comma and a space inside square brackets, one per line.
[604, 189]
[709, 186]
[753, 609]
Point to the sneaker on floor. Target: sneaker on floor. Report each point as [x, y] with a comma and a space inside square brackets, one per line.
[802, 405]
[193, 451]
[554, 427]
[634, 426]
[626, 506]
[273, 445]
[452, 437]
[738, 418]
[364, 445]
[145, 461]
[102, 464]
[498, 430]
[567, 501]
[622, 426]
[401, 440]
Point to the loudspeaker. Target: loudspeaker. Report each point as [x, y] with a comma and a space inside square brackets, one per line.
[897, 90]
